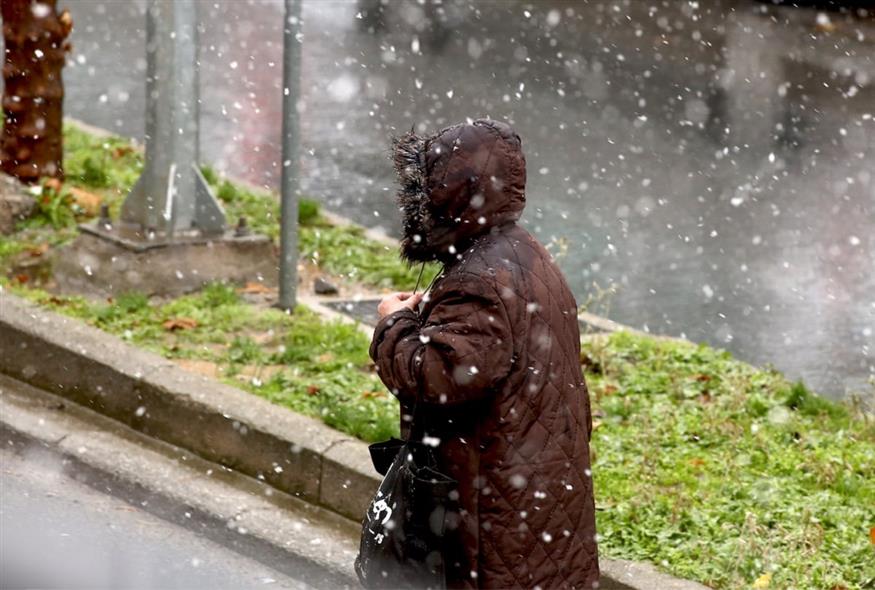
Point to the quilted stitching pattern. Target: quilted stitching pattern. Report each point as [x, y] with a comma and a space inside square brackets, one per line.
[506, 310]
[493, 360]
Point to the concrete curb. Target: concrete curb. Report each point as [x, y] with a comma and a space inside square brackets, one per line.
[222, 424]
[290, 452]
[316, 303]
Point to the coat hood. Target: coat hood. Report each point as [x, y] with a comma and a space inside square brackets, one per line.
[456, 185]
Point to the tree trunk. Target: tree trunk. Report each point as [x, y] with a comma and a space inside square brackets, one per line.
[35, 37]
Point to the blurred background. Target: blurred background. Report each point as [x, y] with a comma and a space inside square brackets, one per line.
[709, 163]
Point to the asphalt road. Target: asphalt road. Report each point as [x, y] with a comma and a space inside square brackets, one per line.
[58, 533]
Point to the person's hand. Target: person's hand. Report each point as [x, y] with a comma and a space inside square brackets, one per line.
[398, 301]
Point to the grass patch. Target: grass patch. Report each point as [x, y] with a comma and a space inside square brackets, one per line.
[349, 254]
[104, 167]
[725, 473]
[100, 162]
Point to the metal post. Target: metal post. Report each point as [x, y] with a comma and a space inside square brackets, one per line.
[289, 189]
[171, 196]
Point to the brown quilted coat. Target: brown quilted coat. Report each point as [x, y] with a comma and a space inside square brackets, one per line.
[493, 358]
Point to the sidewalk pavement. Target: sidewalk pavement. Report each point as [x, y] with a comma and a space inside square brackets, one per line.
[243, 513]
[189, 445]
[97, 540]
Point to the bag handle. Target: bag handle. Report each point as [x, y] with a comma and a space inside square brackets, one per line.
[419, 278]
[416, 428]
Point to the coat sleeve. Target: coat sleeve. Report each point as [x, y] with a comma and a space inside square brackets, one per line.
[460, 353]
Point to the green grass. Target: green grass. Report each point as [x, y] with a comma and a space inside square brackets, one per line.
[107, 167]
[349, 254]
[722, 472]
[100, 162]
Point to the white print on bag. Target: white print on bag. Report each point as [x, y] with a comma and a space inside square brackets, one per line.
[379, 507]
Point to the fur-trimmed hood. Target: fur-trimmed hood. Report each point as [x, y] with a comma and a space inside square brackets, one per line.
[456, 185]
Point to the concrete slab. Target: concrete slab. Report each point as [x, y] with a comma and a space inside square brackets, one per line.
[349, 481]
[620, 574]
[97, 265]
[363, 310]
[15, 203]
[327, 309]
[239, 430]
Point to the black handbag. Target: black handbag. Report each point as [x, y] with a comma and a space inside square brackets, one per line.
[402, 544]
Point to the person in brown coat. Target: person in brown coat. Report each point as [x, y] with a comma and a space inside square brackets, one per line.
[491, 363]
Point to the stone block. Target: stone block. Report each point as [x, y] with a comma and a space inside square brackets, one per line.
[15, 203]
[99, 264]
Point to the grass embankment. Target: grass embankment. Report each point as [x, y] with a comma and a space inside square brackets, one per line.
[711, 468]
[726, 473]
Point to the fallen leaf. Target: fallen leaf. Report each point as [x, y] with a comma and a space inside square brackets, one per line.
[22, 278]
[38, 250]
[312, 389]
[53, 184]
[121, 151]
[373, 394]
[763, 581]
[697, 462]
[325, 358]
[256, 288]
[179, 324]
[872, 535]
[610, 390]
[90, 202]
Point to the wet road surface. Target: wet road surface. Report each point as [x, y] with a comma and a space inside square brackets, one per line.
[58, 533]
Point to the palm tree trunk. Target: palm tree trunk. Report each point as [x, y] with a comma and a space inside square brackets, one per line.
[35, 37]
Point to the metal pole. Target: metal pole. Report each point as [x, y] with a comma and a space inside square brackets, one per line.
[171, 196]
[289, 188]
